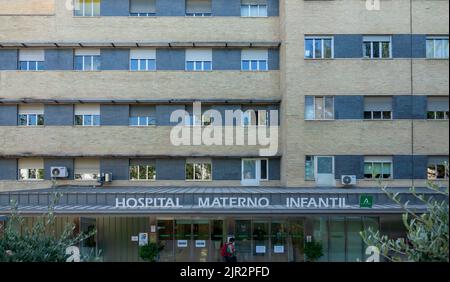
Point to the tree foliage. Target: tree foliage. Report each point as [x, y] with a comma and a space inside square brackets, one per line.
[427, 234]
[313, 250]
[40, 242]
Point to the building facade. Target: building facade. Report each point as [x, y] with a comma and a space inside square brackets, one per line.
[94, 95]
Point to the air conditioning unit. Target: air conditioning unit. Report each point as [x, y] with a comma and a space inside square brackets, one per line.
[348, 180]
[59, 172]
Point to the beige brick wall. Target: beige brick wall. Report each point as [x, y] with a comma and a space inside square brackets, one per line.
[27, 7]
[64, 27]
[301, 77]
[107, 140]
[139, 85]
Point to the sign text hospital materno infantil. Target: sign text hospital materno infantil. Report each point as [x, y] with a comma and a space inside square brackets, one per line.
[230, 202]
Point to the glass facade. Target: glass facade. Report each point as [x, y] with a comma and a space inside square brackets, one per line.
[258, 239]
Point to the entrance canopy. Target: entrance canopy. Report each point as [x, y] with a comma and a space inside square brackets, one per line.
[214, 200]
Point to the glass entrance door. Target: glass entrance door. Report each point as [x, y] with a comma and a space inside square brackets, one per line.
[279, 244]
[244, 240]
[183, 240]
[261, 241]
[165, 238]
[297, 238]
[218, 238]
[201, 242]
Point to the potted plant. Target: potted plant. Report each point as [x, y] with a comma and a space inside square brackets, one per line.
[313, 251]
[150, 252]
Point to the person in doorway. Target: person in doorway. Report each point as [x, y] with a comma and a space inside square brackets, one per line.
[228, 251]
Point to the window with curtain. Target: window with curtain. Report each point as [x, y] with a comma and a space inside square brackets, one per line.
[378, 167]
[437, 108]
[319, 107]
[318, 47]
[87, 8]
[377, 108]
[87, 59]
[254, 8]
[142, 8]
[437, 47]
[198, 8]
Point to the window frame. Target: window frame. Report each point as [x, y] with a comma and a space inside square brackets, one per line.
[146, 124]
[322, 44]
[323, 106]
[434, 39]
[371, 57]
[435, 115]
[258, 65]
[92, 57]
[258, 169]
[259, 8]
[39, 65]
[373, 161]
[382, 115]
[83, 8]
[201, 163]
[38, 171]
[38, 118]
[83, 118]
[202, 69]
[139, 69]
[138, 172]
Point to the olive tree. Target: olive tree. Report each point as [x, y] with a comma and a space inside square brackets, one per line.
[427, 234]
[40, 242]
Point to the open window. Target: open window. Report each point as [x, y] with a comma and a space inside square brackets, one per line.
[254, 171]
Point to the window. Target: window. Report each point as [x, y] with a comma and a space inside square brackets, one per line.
[31, 115]
[87, 60]
[142, 170]
[254, 60]
[143, 60]
[376, 108]
[198, 170]
[198, 8]
[255, 117]
[437, 47]
[309, 168]
[31, 60]
[320, 169]
[142, 8]
[87, 115]
[437, 108]
[254, 171]
[198, 59]
[319, 47]
[378, 167]
[377, 47]
[87, 8]
[87, 169]
[437, 168]
[319, 107]
[142, 115]
[253, 8]
[31, 169]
